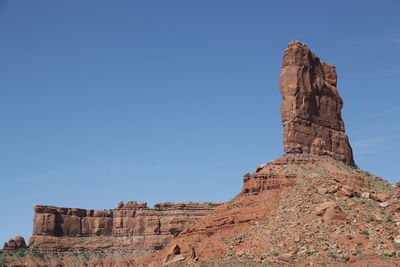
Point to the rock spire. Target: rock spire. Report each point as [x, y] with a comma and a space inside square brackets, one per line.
[311, 106]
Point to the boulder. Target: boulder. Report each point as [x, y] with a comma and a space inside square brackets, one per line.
[174, 255]
[384, 204]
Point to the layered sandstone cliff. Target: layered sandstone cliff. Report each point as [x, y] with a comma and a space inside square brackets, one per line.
[311, 106]
[130, 226]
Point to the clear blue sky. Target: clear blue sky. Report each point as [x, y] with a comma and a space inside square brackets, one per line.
[102, 101]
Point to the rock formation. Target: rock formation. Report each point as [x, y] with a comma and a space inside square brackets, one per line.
[309, 206]
[292, 211]
[263, 179]
[306, 206]
[311, 106]
[15, 243]
[130, 226]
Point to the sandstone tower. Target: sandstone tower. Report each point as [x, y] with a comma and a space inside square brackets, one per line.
[311, 106]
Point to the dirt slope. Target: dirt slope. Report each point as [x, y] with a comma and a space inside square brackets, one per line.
[335, 213]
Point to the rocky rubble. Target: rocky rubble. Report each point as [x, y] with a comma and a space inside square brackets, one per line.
[324, 218]
[321, 218]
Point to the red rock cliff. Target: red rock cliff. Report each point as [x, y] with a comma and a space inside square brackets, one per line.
[131, 226]
[311, 106]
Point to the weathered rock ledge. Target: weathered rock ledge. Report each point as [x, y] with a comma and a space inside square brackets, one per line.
[132, 225]
[15, 243]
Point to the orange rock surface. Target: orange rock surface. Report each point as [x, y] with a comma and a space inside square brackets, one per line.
[131, 226]
[311, 106]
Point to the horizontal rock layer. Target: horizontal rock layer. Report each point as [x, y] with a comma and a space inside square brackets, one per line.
[132, 225]
[276, 174]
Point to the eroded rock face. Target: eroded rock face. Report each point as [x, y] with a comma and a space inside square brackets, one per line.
[311, 106]
[15, 243]
[63, 229]
[277, 174]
